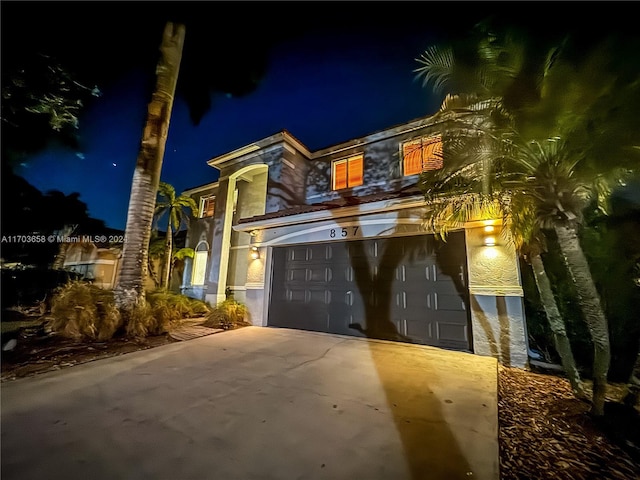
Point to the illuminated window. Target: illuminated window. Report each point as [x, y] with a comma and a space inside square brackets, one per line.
[347, 173]
[199, 264]
[207, 206]
[422, 155]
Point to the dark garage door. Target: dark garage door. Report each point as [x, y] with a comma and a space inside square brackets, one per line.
[415, 286]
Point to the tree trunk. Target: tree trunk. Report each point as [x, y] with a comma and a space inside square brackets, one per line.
[591, 307]
[146, 177]
[61, 256]
[152, 273]
[168, 247]
[556, 323]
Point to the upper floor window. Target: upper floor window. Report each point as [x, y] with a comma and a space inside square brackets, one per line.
[347, 172]
[207, 206]
[422, 155]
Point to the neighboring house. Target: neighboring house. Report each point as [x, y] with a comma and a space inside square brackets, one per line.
[333, 241]
[96, 262]
[99, 261]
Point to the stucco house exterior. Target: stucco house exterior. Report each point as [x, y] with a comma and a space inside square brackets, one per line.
[95, 262]
[99, 261]
[334, 241]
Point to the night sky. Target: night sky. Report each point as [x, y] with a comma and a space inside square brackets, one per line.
[333, 71]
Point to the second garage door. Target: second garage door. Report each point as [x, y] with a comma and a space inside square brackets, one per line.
[415, 287]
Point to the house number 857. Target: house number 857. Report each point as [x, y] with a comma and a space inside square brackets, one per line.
[343, 232]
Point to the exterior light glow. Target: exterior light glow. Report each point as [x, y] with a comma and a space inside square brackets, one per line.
[490, 241]
[488, 229]
[255, 254]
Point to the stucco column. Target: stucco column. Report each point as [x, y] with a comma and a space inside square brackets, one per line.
[496, 296]
[219, 255]
[255, 286]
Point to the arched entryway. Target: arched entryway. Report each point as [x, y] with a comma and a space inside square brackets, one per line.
[246, 197]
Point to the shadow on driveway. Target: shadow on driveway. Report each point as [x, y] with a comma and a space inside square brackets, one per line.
[258, 403]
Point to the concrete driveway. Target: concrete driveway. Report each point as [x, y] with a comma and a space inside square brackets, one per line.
[258, 403]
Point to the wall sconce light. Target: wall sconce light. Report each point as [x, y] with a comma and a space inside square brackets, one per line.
[489, 237]
[255, 254]
[490, 241]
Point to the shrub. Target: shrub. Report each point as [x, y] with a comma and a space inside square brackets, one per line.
[85, 312]
[183, 306]
[82, 311]
[141, 321]
[228, 315]
[162, 312]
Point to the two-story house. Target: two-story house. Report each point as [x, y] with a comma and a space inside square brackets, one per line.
[334, 241]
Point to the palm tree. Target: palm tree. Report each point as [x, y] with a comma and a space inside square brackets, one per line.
[157, 251]
[146, 178]
[549, 181]
[457, 196]
[541, 167]
[178, 210]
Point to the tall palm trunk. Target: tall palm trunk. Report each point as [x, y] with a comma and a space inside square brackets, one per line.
[592, 311]
[146, 177]
[63, 248]
[168, 247]
[556, 323]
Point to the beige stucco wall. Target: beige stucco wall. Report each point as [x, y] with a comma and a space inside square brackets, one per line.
[496, 298]
[255, 287]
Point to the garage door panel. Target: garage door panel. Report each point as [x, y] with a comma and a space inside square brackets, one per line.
[299, 254]
[296, 295]
[297, 275]
[321, 296]
[451, 335]
[444, 301]
[426, 297]
[417, 330]
[319, 274]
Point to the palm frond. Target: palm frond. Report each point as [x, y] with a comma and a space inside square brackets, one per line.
[437, 66]
[183, 253]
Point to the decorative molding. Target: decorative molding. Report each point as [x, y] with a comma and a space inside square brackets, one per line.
[202, 188]
[333, 213]
[288, 163]
[497, 291]
[215, 162]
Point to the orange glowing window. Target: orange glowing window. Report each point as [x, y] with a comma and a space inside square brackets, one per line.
[422, 155]
[347, 173]
[207, 206]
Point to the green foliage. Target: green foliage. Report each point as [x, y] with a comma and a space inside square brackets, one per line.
[539, 331]
[28, 211]
[141, 322]
[228, 315]
[84, 312]
[41, 99]
[612, 247]
[566, 298]
[184, 306]
[179, 209]
[162, 312]
[183, 253]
